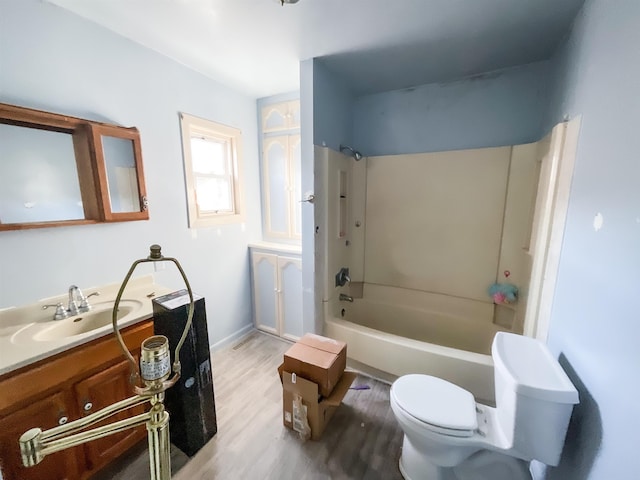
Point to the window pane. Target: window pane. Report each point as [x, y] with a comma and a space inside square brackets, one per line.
[213, 168]
[208, 155]
[213, 195]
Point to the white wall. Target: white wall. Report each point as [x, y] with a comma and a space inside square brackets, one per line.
[311, 308]
[56, 61]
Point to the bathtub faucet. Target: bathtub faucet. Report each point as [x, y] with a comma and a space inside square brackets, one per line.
[345, 298]
[342, 277]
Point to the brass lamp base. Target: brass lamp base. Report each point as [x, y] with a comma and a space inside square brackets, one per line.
[155, 372]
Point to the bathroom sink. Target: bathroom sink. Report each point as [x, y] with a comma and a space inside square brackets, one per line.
[99, 316]
[14, 319]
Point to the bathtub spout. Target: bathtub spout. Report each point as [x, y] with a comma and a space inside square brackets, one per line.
[345, 298]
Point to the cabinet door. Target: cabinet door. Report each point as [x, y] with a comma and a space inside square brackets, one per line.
[98, 391]
[276, 186]
[290, 297]
[274, 117]
[295, 186]
[282, 186]
[281, 116]
[45, 414]
[265, 290]
[118, 165]
[293, 111]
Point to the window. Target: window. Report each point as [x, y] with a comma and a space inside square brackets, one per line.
[213, 170]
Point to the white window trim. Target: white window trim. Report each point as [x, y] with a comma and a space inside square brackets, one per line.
[189, 126]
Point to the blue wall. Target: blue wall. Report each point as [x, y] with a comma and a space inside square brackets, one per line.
[501, 108]
[333, 111]
[595, 326]
[57, 61]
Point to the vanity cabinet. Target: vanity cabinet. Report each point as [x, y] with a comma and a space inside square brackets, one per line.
[101, 390]
[45, 413]
[63, 388]
[277, 292]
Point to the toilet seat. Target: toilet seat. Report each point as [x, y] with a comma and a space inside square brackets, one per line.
[438, 405]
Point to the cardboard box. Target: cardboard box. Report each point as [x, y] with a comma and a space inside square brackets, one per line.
[320, 360]
[319, 409]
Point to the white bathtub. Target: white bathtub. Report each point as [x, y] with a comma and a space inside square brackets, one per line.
[401, 331]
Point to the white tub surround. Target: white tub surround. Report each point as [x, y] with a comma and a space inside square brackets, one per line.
[29, 333]
[424, 236]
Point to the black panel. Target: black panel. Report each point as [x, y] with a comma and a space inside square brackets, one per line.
[190, 403]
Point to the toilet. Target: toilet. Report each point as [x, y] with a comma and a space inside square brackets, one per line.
[449, 436]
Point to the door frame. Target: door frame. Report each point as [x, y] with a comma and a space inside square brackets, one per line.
[547, 234]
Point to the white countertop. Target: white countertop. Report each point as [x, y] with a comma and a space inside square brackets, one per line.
[24, 337]
[281, 247]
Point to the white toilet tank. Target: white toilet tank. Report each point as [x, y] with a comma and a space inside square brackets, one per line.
[534, 397]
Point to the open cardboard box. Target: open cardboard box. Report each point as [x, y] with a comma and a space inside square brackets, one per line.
[318, 359]
[319, 409]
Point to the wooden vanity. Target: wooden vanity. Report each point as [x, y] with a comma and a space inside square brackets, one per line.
[63, 388]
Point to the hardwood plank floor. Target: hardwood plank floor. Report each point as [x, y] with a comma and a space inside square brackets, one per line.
[362, 440]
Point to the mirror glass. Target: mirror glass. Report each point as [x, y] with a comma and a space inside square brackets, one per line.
[122, 176]
[38, 176]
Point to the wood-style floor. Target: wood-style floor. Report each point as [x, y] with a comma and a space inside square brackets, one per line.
[362, 440]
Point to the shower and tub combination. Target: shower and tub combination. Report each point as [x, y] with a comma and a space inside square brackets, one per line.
[422, 238]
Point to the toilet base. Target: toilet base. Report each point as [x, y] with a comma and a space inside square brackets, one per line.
[414, 465]
[483, 465]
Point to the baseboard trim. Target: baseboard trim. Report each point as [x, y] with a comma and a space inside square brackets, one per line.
[233, 338]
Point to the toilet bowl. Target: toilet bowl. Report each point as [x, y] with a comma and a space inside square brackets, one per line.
[448, 436]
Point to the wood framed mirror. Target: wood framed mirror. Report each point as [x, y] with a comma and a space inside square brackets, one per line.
[57, 170]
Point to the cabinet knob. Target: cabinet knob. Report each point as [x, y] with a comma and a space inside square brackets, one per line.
[62, 420]
[87, 406]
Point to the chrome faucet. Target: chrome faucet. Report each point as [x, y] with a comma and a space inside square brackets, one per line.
[84, 303]
[74, 292]
[345, 298]
[78, 303]
[342, 277]
[60, 313]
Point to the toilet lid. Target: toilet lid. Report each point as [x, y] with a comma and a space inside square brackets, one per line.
[437, 403]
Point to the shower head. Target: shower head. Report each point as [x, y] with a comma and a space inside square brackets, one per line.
[354, 153]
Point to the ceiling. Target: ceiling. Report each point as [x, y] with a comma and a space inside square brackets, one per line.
[255, 46]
